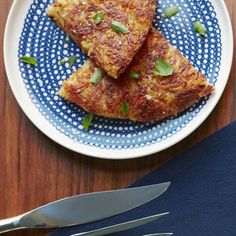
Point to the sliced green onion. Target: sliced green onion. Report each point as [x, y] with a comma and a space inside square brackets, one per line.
[171, 11]
[134, 75]
[66, 41]
[119, 27]
[97, 76]
[125, 108]
[62, 62]
[87, 121]
[29, 60]
[98, 17]
[70, 60]
[199, 28]
[163, 68]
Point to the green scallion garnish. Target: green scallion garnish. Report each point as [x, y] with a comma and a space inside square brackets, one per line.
[66, 41]
[87, 121]
[119, 27]
[134, 75]
[163, 68]
[29, 60]
[98, 17]
[199, 28]
[125, 108]
[71, 61]
[171, 11]
[62, 62]
[97, 76]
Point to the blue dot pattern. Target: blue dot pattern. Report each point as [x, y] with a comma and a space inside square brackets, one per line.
[42, 39]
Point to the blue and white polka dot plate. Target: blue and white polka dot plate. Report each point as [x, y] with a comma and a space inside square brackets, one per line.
[30, 32]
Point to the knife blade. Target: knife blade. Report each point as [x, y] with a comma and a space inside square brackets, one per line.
[122, 226]
[84, 208]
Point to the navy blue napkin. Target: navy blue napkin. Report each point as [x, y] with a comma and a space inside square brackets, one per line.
[202, 196]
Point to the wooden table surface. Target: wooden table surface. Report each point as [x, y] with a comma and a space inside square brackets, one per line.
[34, 170]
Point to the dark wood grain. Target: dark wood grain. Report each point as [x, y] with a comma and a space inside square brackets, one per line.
[34, 170]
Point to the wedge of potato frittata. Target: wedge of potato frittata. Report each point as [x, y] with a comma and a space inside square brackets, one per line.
[110, 31]
[160, 82]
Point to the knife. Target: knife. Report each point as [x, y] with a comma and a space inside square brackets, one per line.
[122, 226]
[84, 208]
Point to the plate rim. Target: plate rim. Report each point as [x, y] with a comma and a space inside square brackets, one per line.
[87, 150]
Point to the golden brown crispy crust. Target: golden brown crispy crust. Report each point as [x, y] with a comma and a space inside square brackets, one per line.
[110, 50]
[149, 98]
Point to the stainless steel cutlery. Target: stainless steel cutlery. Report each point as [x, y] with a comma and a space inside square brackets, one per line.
[123, 226]
[85, 208]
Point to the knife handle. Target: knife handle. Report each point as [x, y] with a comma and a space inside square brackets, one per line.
[10, 224]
